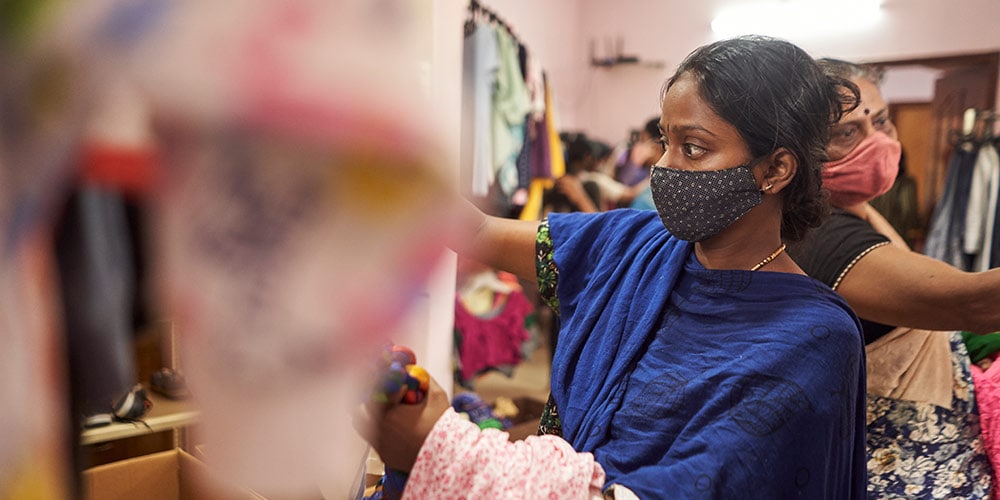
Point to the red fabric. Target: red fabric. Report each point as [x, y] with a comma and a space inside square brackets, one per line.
[132, 171]
[490, 342]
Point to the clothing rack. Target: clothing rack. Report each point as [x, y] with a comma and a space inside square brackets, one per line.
[476, 8]
[963, 228]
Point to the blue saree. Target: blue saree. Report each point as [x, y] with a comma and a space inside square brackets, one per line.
[695, 383]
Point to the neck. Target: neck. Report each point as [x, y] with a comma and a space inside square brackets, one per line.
[746, 243]
[856, 209]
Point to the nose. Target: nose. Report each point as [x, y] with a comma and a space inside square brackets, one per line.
[662, 162]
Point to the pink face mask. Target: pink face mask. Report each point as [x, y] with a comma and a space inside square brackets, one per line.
[866, 172]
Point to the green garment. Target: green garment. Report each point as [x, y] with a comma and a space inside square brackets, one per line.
[981, 346]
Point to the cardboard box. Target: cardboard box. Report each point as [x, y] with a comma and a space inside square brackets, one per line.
[168, 475]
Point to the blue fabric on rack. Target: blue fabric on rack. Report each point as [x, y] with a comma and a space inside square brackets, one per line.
[947, 225]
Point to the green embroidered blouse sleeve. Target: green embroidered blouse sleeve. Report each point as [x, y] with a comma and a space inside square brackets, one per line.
[548, 277]
[545, 266]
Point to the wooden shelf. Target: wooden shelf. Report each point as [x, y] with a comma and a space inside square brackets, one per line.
[615, 63]
[166, 414]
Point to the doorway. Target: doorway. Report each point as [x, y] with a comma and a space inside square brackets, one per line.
[927, 126]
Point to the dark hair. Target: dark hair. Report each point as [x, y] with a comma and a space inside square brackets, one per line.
[578, 150]
[600, 149]
[776, 96]
[652, 127]
[849, 71]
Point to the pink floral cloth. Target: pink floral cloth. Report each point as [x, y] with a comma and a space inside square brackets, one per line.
[458, 460]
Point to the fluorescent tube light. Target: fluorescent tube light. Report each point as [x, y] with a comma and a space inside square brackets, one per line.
[798, 18]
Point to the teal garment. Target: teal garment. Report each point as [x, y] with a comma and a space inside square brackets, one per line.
[981, 346]
[511, 104]
[645, 200]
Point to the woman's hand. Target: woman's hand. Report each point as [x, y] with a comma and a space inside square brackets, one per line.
[398, 431]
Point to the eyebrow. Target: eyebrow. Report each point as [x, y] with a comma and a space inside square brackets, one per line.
[688, 128]
[863, 118]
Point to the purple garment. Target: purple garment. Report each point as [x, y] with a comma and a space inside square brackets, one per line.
[629, 173]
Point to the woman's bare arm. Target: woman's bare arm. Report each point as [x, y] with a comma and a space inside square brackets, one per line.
[903, 288]
[504, 244]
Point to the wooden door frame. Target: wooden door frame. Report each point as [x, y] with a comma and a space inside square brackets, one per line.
[935, 165]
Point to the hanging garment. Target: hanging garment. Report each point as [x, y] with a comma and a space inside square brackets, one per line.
[980, 214]
[481, 61]
[947, 224]
[96, 274]
[995, 246]
[532, 161]
[524, 164]
[511, 103]
[551, 159]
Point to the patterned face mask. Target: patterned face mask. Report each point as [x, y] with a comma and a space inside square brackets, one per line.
[696, 205]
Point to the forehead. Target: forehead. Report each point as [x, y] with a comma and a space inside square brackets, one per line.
[683, 102]
[871, 102]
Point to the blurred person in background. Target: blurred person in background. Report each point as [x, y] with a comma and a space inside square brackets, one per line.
[643, 150]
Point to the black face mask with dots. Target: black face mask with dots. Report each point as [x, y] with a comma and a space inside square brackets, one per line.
[696, 205]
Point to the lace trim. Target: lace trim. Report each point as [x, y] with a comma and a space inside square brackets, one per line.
[855, 261]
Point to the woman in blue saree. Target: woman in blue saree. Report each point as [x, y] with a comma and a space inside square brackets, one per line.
[694, 359]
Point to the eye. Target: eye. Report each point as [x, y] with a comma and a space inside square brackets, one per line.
[844, 136]
[692, 151]
[881, 123]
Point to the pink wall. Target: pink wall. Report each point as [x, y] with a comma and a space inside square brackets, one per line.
[607, 102]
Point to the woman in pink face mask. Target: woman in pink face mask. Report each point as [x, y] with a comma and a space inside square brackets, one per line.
[859, 254]
[911, 309]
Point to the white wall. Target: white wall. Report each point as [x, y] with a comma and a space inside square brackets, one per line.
[615, 100]
[909, 84]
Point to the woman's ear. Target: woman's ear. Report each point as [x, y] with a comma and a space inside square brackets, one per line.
[781, 168]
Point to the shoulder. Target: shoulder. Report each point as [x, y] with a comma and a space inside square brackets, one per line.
[829, 250]
[801, 304]
[613, 223]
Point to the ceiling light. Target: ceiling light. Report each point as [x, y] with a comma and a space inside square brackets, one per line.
[798, 18]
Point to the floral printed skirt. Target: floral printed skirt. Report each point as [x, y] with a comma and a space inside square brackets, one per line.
[922, 450]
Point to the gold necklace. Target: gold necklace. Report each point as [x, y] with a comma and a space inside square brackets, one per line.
[769, 258]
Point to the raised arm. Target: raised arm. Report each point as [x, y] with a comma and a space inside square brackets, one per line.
[504, 244]
[899, 287]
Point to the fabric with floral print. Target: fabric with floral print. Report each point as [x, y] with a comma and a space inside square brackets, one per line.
[548, 278]
[545, 266]
[458, 460]
[922, 450]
